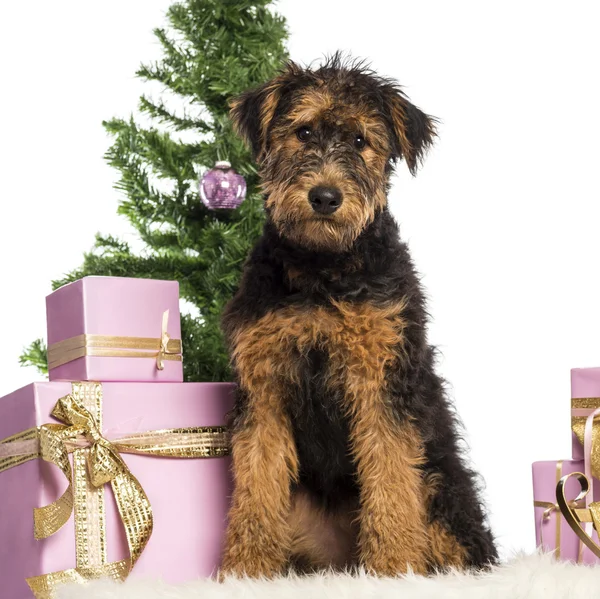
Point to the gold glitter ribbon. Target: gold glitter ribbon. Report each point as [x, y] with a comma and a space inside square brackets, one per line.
[581, 408]
[111, 346]
[96, 462]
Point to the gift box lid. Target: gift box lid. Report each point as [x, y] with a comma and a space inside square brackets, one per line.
[119, 306]
[585, 382]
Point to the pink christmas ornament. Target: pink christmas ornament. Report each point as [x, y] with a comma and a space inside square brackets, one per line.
[221, 187]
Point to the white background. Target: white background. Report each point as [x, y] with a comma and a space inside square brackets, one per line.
[503, 220]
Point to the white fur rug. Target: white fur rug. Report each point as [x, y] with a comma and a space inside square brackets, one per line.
[531, 577]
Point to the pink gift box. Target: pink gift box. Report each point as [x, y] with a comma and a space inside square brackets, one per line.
[553, 531]
[585, 385]
[115, 307]
[189, 497]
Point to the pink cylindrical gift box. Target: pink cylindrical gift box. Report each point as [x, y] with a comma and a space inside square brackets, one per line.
[585, 394]
[189, 497]
[553, 532]
[114, 307]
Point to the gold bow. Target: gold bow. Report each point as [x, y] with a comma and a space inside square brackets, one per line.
[104, 464]
[96, 462]
[164, 343]
[580, 408]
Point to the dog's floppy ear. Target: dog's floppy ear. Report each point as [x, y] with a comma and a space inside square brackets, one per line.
[414, 131]
[252, 111]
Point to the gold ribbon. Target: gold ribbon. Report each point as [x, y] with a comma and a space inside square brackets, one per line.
[549, 508]
[580, 410]
[97, 462]
[575, 516]
[111, 346]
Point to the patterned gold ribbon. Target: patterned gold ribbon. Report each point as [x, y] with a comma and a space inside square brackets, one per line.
[581, 408]
[111, 346]
[97, 462]
[549, 509]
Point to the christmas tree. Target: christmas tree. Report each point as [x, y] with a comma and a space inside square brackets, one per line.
[213, 50]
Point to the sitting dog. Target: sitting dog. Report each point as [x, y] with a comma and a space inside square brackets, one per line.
[345, 448]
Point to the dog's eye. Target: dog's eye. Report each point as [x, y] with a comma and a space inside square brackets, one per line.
[304, 133]
[359, 142]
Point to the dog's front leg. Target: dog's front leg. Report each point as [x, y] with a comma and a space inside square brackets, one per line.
[265, 461]
[387, 449]
[393, 521]
[258, 534]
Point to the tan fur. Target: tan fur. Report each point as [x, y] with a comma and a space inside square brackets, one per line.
[272, 93]
[321, 539]
[399, 120]
[267, 111]
[446, 551]
[293, 274]
[431, 484]
[362, 340]
[310, 106]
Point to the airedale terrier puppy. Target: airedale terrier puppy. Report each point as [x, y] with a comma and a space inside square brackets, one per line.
[346, 449]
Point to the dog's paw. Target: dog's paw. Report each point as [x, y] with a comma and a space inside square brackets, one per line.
[390, 553]
[394, 564]
[252, 562]
[253, 568]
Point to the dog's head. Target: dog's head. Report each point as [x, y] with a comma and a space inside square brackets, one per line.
[326, 141]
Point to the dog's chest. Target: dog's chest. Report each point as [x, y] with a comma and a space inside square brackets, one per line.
[340, 327]
[330, 354]
[340, 344]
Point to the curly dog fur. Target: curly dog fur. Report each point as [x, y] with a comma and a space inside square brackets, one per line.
[346, 450]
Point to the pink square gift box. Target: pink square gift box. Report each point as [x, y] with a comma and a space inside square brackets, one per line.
[552, 531]
[188, 498]
[585, 399]
[113, 329]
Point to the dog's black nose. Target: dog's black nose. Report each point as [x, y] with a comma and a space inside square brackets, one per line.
[325, 200]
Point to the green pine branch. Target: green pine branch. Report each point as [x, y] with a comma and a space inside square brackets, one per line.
[162, 114]
[35, 355]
